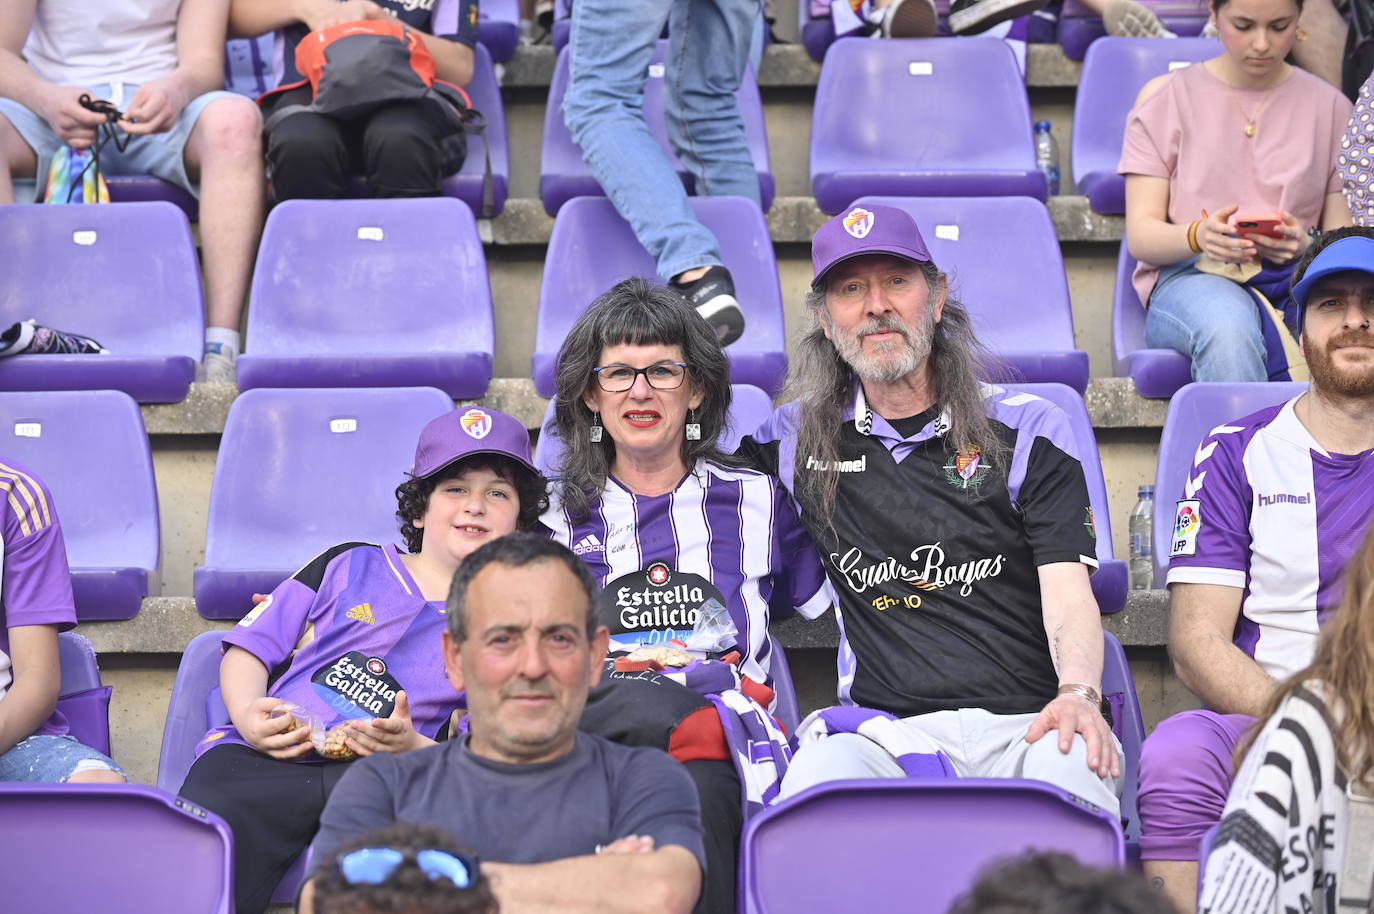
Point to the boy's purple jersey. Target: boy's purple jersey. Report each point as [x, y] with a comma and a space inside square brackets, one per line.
[351, 629]
[35, 582]
[1266, 509]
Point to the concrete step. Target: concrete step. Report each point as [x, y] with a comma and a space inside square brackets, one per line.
[1113, 403]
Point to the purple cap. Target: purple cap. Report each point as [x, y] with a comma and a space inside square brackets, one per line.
[471, 430]
[873, 229]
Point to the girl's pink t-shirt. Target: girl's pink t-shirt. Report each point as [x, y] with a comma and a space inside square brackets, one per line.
[1192, 131]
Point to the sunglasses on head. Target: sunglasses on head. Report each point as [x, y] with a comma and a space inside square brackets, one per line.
[374, 865]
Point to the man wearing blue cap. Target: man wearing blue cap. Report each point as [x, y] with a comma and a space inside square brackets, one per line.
[1274, 506]
[955, 520]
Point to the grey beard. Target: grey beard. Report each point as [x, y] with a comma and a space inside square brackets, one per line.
[887, 367]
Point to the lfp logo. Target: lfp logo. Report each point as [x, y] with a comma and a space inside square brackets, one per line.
[1186, 522]
[859, 222]
[476, 423]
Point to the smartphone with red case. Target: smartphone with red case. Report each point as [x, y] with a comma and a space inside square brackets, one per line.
[1258, 224]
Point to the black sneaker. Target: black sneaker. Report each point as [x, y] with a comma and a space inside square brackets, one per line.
[910, 19]
[713, 295]
[969, 17]
[31, 338]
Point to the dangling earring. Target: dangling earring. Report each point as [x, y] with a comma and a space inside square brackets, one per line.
[596, 428]
[693, 426]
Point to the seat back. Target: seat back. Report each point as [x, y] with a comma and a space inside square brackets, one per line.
[1156, 372]
[379, 293]
[956, 122]
[1114, 71]
[1002, 257]
[299, 471]
[565, 173]
[187, 721]
[923, 841]
[498, 28]
[82, 698]
[1193, 412]
[1118, 687]
[91, 450]
[490, 146]
[1109, 582]
[118, 849]
[749, 407]
[126, 275]
[785, 708]
[592, 248]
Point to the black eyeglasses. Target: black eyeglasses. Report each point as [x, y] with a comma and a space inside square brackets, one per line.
[616, 379]
[374, 865]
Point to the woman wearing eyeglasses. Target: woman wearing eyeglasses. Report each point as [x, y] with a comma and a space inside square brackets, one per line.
[671, 527]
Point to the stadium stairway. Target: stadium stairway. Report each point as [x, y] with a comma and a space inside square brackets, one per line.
[139, 656]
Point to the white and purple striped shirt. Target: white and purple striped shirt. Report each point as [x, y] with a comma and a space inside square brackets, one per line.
[1267, 509]
[723, 532]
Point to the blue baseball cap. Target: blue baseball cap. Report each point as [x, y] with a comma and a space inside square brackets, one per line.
[1352, 253]
[871, 229]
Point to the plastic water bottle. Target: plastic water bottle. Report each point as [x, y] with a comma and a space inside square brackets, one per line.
[1142, 540]
[1047, 155]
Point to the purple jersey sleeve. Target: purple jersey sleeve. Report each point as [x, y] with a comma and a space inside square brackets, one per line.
[37, 584]
[1047, 483]
[273, 628]
[804, 586]
[455, 20]
[1210, 542]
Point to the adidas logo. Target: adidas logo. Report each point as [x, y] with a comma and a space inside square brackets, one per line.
[588, 543]
[363, 613]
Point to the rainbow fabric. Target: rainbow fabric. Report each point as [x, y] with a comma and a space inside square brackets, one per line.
[69, 166]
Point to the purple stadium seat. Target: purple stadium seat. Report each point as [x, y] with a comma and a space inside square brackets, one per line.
[592, 248]
[498, 27]
[126, 275]
[485, 92]
[1002, 256]
[955, 115]
[562, 24]
[117, 849]
[82, 698]
[749, 408]
[1113, 74]
[90, 448]
[1118, 687]
[1109, 581]
[146, 188]
[370, 293]
[785, 709]
[1193, 412]
[564, 173]
[300, 471]
[1156, 372]
[910, 844]
[1080, 27]
[194, 708]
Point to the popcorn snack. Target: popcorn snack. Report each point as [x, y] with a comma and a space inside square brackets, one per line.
[662, 654]
[334, 745]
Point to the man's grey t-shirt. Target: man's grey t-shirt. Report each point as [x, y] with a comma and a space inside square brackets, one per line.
[507, 813]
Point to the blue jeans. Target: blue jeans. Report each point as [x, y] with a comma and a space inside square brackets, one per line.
[1212, 320]
[708, 46]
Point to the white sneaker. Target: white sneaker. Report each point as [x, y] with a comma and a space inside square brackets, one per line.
[219, 368]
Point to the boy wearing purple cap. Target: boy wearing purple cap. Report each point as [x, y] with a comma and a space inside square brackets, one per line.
[1273, 507]
[957, 525]
[353, 641]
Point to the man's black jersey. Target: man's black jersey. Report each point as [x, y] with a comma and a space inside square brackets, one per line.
[934, 554]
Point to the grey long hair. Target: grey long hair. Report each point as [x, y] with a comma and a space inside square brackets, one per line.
[823, 384]
[638, 313]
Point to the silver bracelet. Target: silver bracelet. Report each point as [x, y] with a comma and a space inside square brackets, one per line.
[1082, 690]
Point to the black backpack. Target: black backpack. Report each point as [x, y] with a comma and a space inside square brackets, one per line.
[1359, 48]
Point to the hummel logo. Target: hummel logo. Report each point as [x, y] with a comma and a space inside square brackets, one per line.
[363, 613]
[588, 543]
